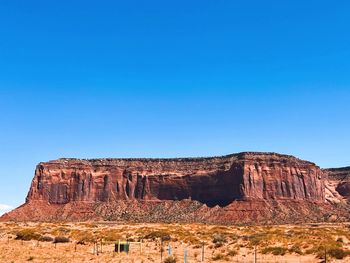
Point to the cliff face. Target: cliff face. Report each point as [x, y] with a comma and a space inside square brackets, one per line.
[213, 181]
[245, 187]
[340, 178]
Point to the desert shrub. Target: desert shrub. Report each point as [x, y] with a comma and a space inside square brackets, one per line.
[217, 245]
[295, 249]
[60, 231]
[31, 258]
[277, 251]
[219, 256]
[111, 235]
[165, 236]
[340, 240]
[234, 237]
[170, 259]
[46, 239]
[198, 245]
[318, 250]
[82, 237]
[27, 234]
[61, 239]
[334, 250]
[232, 253]
[257, 239]
[338, 253]
[192, 240]
[219, 240]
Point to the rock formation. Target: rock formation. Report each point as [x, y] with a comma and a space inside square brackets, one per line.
[339, 178]
[237, 188]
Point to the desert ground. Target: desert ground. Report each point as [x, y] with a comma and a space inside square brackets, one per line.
[95, 242]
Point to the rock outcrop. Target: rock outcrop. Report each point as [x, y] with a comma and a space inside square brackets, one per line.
[237, 188]
[339, 178]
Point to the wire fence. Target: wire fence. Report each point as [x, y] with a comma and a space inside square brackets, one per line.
[155, 251]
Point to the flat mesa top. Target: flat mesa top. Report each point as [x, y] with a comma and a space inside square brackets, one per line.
[237, 156]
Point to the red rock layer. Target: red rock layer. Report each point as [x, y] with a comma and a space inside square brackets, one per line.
[341, 178]
[245, 186]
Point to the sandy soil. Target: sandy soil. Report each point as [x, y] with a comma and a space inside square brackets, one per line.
[221, 243]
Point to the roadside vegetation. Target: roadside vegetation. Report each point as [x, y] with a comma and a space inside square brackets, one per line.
[221, 243]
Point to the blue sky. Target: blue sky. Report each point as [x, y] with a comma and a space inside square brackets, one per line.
[170, 78]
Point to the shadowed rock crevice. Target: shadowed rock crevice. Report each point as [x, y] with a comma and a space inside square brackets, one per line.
[220, 188]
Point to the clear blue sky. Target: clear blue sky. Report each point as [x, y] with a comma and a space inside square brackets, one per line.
[171, 78]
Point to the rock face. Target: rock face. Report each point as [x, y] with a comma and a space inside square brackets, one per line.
[340, 177]
[213, 181]
[245, 187]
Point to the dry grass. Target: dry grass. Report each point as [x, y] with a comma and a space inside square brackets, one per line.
[21, 242]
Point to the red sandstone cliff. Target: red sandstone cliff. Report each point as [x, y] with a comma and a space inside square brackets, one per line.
[245, 187]
[339, 178]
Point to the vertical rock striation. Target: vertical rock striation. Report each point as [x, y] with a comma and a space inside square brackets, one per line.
[213, 181]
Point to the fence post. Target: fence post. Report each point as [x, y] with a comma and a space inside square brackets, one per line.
[255, 255]
[185, 255]
[169, 250]
[202, 259]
